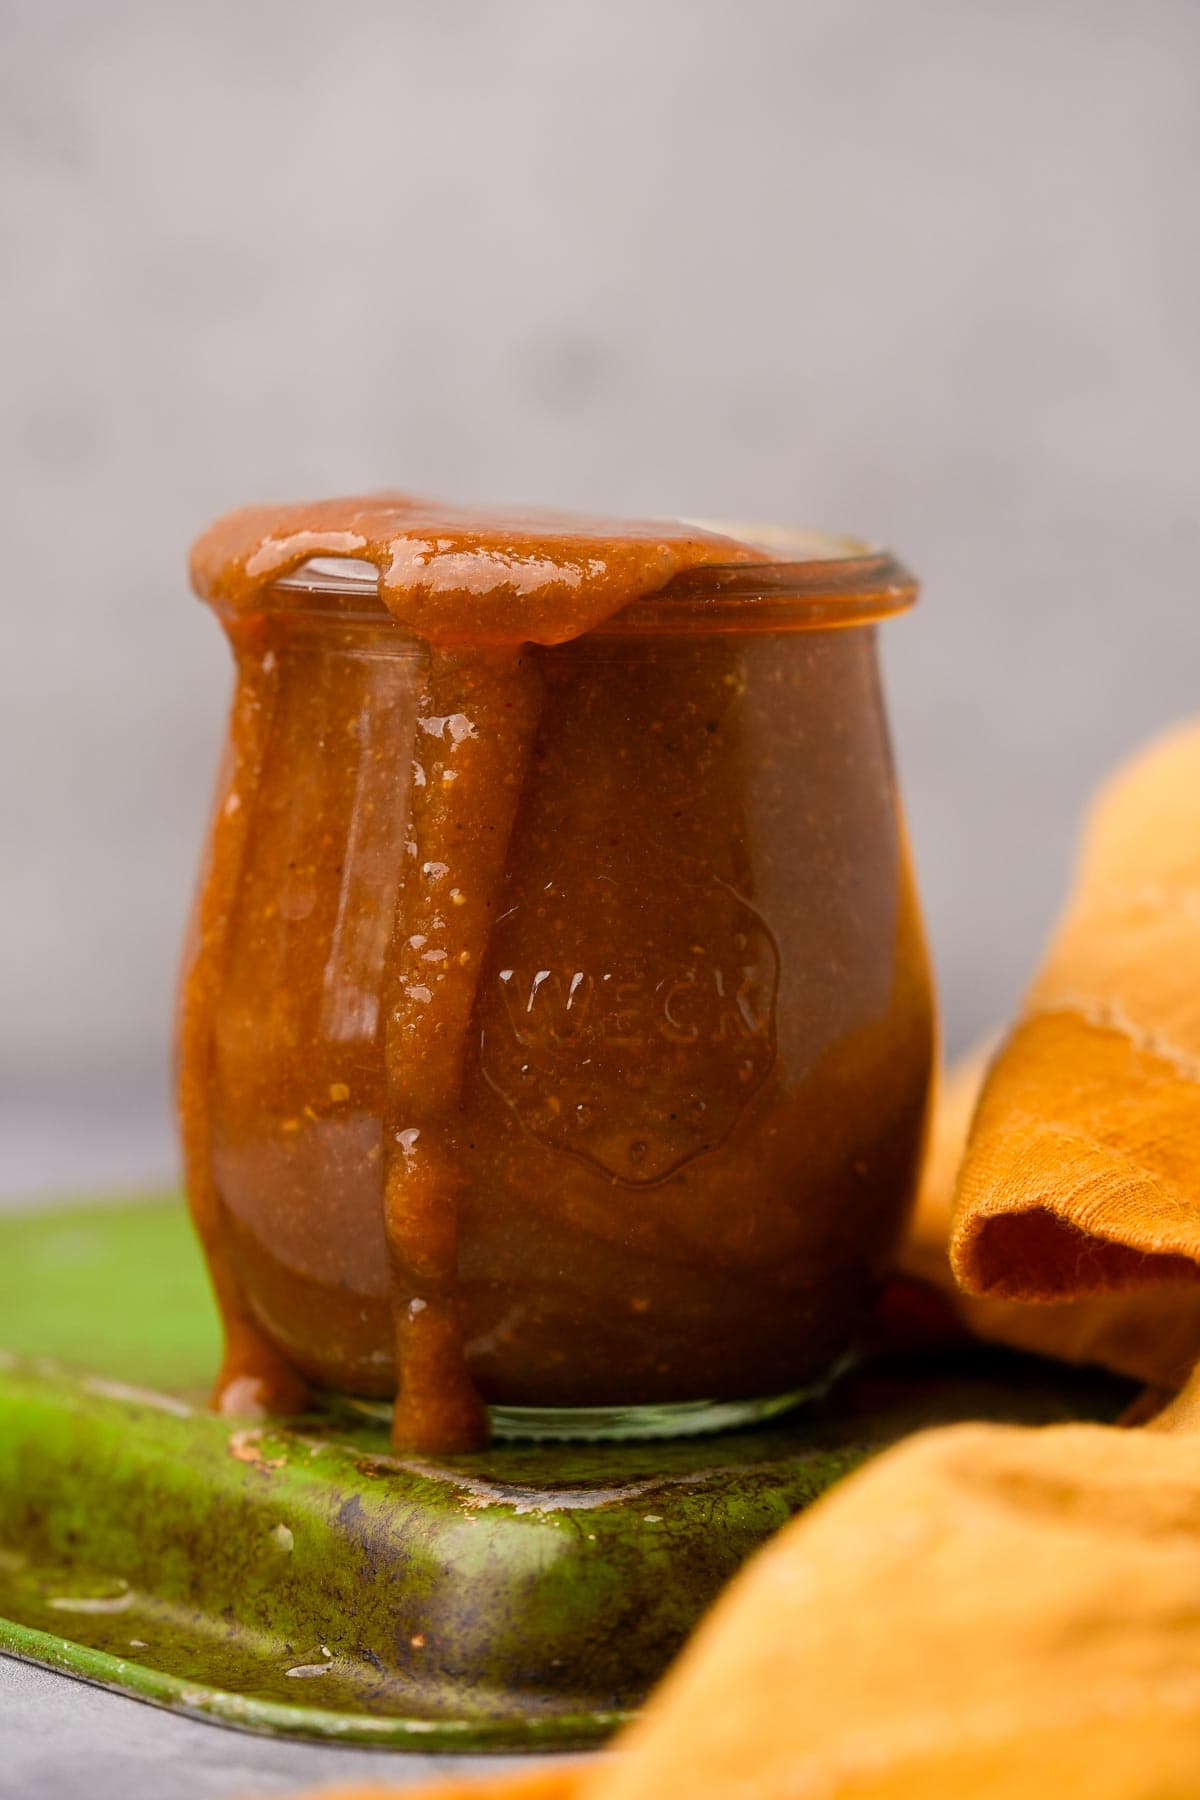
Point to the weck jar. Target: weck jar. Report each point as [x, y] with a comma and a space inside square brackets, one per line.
[556, 1025]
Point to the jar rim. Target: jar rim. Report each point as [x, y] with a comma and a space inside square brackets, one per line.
[832, 582]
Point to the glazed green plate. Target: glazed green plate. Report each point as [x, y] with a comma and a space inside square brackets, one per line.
[308, 1582]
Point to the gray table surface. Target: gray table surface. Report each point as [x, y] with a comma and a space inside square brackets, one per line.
[60, 1739]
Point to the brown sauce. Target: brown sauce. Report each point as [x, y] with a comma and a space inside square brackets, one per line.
[454, 577]
[382, 838]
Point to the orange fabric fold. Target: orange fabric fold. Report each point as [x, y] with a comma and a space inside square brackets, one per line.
[991, 1612]
[560, 1782]
[1081, 1175]
[1150, 1333]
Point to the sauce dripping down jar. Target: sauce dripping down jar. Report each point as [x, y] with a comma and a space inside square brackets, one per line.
[555, 1027]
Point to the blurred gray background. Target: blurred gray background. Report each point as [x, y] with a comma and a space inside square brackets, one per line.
[928, 272]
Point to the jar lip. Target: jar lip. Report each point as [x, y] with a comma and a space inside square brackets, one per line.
[831, 581]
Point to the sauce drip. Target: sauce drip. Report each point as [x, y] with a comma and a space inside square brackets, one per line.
[454, 577]
[477, 589]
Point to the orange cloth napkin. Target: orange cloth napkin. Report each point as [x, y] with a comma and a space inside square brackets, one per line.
[1075, 1228]
[994, 1611]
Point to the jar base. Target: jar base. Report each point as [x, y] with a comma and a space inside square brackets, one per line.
[627, 1424]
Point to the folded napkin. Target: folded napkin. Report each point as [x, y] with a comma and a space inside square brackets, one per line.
[1072, 1214]
[987, 1610]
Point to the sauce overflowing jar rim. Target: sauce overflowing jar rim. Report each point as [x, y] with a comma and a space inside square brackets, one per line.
[837, 582]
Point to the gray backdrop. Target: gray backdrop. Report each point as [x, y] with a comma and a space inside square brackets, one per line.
[924, 271]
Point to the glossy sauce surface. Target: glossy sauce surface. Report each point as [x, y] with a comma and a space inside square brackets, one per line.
[555, 1027]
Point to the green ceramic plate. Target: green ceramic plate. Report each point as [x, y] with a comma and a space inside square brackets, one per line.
[308, 1582]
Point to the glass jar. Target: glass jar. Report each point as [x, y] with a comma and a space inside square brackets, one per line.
[691, 1086]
